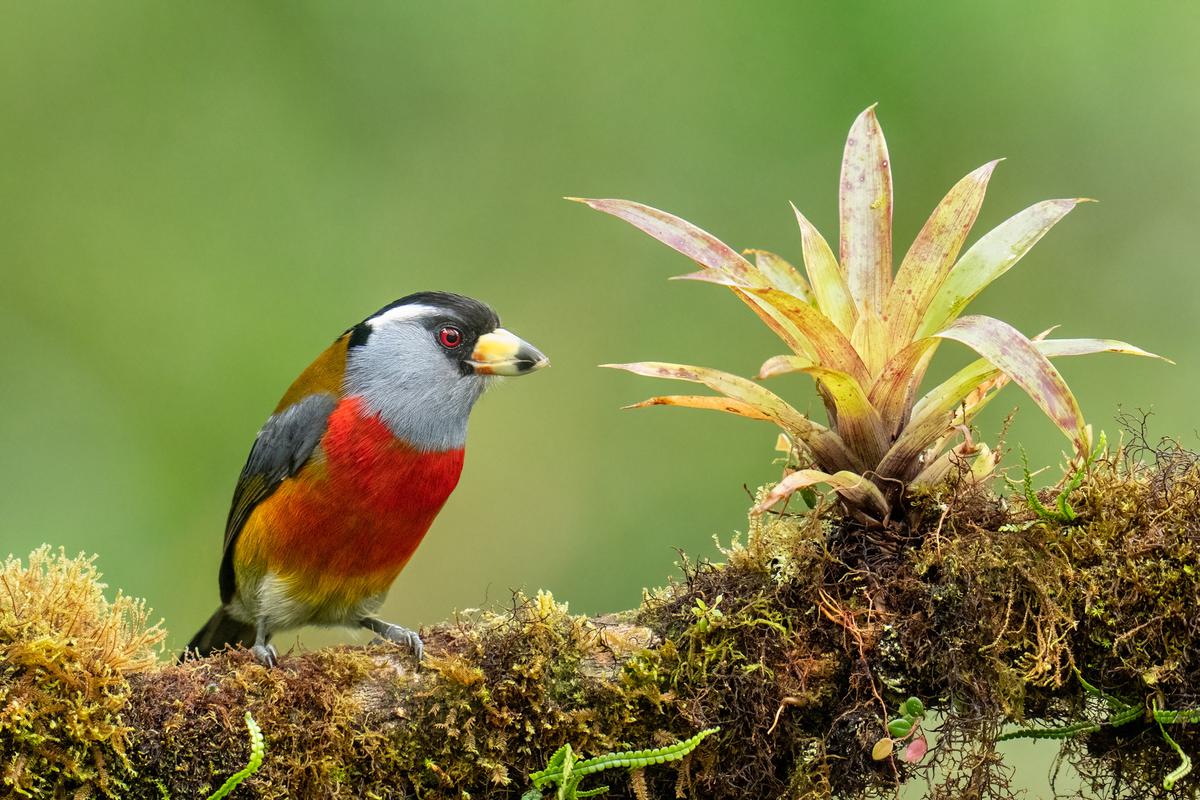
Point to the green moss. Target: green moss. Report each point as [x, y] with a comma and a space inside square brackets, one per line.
[799, 646]
[65, 654]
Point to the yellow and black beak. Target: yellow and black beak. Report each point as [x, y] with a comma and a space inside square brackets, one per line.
[502, 353]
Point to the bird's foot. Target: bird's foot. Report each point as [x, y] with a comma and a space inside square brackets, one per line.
[397, 634]
[265, 653]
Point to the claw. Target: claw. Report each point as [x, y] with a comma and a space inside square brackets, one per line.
[397, 634]
[265, 653]
[263, 650]
[403, 636]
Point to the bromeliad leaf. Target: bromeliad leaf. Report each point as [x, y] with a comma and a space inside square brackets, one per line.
[831, 348]
[932, 253]
[931, 418]
[1055, 348]
[781, 274]
[782, 365]
[774, 319]
[858, 422]
[865, 206]
[824, 443]
[976, 460]
[853, 487]
[698, 245]
[726, 404]
[893, 391]
[871, 341]
[1017, 357]
[826, 277]
[825, 343]
[989, 258]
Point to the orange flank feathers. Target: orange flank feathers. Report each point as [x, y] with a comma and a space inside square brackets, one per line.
[343, 528]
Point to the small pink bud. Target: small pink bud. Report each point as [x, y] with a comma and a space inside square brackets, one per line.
[916, 750]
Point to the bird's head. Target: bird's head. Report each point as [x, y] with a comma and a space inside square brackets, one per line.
[421, 362]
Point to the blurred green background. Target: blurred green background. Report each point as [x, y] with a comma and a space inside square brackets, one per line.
[197, 197]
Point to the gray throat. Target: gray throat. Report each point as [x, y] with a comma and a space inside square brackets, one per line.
[420, 395]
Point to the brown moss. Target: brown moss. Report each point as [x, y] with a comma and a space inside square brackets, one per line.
[799, 646]
[65, 655]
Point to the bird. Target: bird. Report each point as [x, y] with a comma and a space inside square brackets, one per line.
[349, 472]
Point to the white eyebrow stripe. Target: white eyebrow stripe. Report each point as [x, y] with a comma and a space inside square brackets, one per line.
[401, 314]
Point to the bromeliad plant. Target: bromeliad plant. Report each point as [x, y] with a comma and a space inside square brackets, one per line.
[866, 336]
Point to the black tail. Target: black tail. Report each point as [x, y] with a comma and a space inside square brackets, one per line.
[220, 630]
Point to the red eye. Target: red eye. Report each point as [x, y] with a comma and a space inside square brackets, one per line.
[450, 337]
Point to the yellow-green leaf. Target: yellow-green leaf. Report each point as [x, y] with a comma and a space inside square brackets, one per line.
[782, 365]
[865, 206]
[826, 446]
[822, 342]
[932, 254]
[780, 273]
[778, 321]
[831, 348]
[871, 341]
[726, 404]
[826, 277]
[932, 417]
[856, 420]
[988, 259]
[894, 390]
[976, 460]
[1054, 348]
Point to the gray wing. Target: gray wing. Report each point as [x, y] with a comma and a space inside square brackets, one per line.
[282, 447]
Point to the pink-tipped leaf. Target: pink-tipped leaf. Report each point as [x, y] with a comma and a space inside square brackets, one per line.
[679, 234]
[933, 252]
[865, 205]
[854, 488]
[1017, 357]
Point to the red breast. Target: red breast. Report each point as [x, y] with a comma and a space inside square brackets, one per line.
[351, 518]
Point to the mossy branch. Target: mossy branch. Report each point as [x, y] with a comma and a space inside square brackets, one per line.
[800, 647]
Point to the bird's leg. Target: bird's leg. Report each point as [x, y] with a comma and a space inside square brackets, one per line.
[262, 649]
[395, 633]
